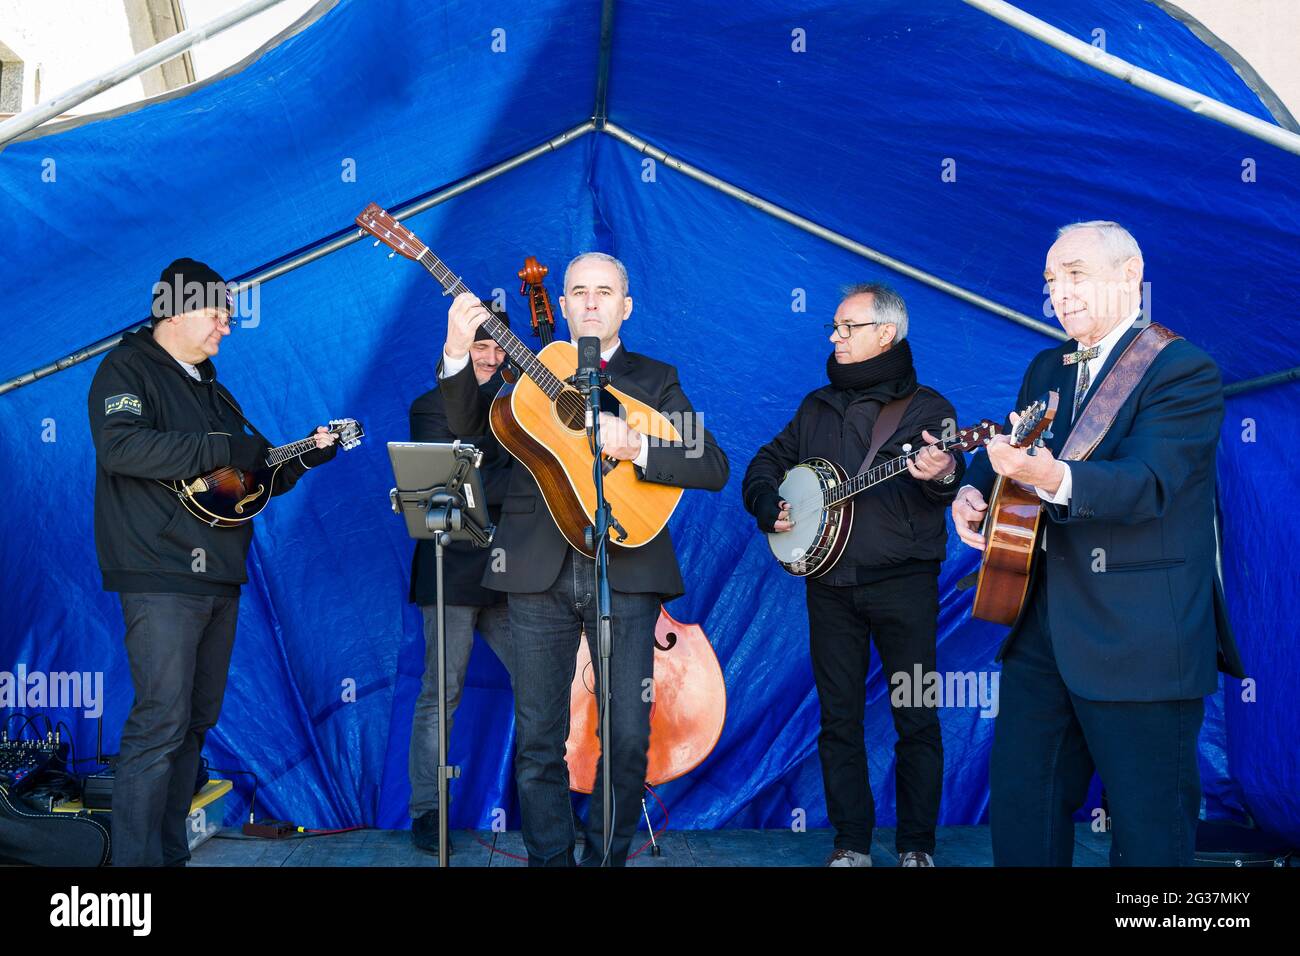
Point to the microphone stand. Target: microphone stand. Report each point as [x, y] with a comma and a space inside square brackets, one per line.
[590, 382]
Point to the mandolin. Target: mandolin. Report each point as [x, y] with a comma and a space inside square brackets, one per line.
[228, 497]
[1011, 528]
[540, 419]
[820, 494]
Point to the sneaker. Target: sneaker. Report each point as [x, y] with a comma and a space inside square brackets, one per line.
[915, 858]
[424, 833]
[849, 858]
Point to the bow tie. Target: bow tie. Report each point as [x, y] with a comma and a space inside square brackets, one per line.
[1083, 355]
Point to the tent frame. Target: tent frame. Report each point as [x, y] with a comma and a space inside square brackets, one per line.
[599, 122]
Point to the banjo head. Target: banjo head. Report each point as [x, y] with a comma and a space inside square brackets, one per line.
[805, 548]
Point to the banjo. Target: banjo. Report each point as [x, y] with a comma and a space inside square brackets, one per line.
[820, 494]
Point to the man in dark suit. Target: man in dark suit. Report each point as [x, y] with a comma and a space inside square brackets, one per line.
[551, 586]
[1124, 622]
[466, 603]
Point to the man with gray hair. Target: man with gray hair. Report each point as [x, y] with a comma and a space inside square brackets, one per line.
[885, 585]
[552, 587]
[1124, 623]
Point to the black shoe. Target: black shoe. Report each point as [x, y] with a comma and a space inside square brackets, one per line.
[424, 833]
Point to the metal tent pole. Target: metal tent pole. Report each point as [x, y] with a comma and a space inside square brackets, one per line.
[1176, 93]
[600, 112]
[28, 120]
[316, 252]
[1263, 381]
[821, 232]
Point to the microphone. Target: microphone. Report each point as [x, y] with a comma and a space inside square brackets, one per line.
[588, 369]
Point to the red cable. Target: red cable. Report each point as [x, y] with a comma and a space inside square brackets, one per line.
[654, 833]
[515, 856]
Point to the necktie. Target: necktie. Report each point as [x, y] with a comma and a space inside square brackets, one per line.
[603, 363]
[1081, 390]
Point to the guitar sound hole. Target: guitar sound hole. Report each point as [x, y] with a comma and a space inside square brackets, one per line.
[571, 409]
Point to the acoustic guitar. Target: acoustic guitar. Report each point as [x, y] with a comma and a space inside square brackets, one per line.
[820, 494]
[1011, 528]
[228, 497]
[540, 419]
[690, 693]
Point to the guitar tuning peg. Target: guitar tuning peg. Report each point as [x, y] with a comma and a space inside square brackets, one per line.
[391, 254]
[376, 244]
[1047, 436]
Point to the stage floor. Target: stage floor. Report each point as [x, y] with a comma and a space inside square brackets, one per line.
[956, 846]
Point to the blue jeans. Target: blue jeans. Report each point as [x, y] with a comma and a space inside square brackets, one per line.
[179, 649]
[1047, 743]
[461, 619]
[544, 632]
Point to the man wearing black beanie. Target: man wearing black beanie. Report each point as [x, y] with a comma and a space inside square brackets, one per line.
[157, 413]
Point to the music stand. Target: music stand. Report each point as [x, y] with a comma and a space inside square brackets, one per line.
[440, 494]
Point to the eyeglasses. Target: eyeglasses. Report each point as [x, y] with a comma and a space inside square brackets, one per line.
[846, 329]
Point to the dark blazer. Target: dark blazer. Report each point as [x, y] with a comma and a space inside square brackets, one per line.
[531, 546]
[1153, 624]
[462, 562]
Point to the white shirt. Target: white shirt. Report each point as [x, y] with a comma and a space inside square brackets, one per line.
[192, 369]
[450, 366]
[1095, 365]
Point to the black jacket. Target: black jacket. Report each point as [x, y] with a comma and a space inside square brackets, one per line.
[532, 546]
[1137, 610]
[151, 420]
[463, 564]
[898, 526]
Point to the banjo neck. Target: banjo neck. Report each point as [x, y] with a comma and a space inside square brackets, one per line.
[874, 476]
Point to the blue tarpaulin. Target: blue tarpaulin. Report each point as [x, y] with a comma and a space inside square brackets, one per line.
[846, 113]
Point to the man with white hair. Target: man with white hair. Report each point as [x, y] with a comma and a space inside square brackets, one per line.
[1124, 623]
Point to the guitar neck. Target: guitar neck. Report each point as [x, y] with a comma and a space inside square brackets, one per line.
[513, 346]
[874, 476]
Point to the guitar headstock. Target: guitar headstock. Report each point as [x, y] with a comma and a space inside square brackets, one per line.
[968, 439]
[386, 229]
[1034, 419]
[349, 432]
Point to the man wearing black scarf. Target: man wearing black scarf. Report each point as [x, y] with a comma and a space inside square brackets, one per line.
[885, 585]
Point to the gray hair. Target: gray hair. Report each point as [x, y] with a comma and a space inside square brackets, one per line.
[1117, 243]
[599, 257]
[887, 306]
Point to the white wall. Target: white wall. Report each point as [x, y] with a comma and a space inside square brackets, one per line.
[75, 40]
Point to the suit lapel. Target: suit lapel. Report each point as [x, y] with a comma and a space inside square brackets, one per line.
[1111, 359]
[619, 364]
[1064, 378]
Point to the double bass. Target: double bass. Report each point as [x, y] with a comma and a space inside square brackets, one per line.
[690, 694]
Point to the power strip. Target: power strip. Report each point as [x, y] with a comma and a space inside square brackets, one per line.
[270, 829]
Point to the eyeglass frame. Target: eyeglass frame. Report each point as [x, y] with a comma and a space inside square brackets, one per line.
[853, 326]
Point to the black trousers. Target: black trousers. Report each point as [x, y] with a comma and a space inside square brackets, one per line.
[178, 646]
[1048, 741]
[901, 616]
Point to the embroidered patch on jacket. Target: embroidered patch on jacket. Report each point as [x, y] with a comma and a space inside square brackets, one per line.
[123, 403]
